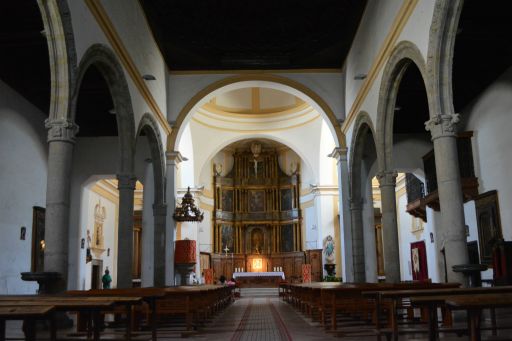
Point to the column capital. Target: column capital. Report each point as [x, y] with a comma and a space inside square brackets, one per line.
[339, 153]
[387, 178]
[126, 181]
[442, 125]
[160, 210]
[174, 158]
[61, 130]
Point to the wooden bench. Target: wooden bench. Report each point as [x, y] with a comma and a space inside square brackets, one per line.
[29, 314]
[90, 306]
[434, 300]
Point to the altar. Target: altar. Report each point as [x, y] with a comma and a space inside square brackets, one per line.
[269, 279]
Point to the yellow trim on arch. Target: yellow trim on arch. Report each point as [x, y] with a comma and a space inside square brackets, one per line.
[113, 37]
[340, 136]
[385, 51]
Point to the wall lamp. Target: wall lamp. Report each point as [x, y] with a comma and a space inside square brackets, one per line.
[148, 77]
[360, 76]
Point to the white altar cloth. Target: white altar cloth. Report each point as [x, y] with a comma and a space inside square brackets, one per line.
[258, 274]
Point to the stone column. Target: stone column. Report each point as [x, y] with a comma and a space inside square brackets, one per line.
[451, 232]
[173, 159]
[148, 224]
[347, 270]
[126, 186]
[356, 214]
[387, 182]
[159, 249]
[61, 140]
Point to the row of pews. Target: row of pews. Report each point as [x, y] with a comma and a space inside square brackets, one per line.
[144, 310]
[385, 309]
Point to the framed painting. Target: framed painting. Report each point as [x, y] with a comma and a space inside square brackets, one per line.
[489, 224]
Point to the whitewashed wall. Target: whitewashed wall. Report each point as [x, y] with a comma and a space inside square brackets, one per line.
[23, 169]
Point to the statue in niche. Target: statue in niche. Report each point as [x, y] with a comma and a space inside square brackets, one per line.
[329, 249]
[256, 241]
[98, 240]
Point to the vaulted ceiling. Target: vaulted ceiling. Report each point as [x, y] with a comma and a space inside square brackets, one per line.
[268, 34]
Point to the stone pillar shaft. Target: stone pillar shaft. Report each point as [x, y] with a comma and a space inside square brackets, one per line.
[159, 249]
[451, 232]
[356, 214]
[347, 269]
[173, 159]
[387, 182]
[61, 139]
[126, 186]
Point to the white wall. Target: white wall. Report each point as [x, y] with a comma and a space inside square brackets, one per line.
[489, 119]
[23, 170]
[109, 233]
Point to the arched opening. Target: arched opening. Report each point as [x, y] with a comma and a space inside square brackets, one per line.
[104, 151]
[363, 169]
[295, 140]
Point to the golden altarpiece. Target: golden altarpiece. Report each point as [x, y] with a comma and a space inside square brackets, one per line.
[257, 218]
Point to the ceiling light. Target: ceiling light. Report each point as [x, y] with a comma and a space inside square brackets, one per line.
[360, 76]
[187, 210]
[148, 77]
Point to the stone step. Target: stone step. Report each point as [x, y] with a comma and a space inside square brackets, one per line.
[259, 292]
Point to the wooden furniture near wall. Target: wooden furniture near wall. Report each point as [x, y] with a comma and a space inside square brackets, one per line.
[314, 257]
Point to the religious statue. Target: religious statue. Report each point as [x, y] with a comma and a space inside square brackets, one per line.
[256, 241]
[329, 249]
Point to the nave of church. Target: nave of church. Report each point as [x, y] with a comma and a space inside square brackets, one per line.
[353, 155]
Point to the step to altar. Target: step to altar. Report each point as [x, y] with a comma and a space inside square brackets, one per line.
[259, 292]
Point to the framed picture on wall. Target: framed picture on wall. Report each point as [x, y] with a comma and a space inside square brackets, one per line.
[489, 224]
[419, 261]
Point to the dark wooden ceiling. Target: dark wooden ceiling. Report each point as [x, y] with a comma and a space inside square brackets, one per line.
[268, 34]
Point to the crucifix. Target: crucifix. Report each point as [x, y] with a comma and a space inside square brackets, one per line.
[226, 250]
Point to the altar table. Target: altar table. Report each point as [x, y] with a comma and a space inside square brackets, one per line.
[259, 279]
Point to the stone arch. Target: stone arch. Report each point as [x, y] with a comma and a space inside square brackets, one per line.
[149, 126]
[106, 61]
[441, 45]
[61, 48]
[314, 97]
[362, 126]
[404, 54]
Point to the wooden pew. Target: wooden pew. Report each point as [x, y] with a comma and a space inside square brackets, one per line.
[29, 314]
[435, 299]
[92, 306]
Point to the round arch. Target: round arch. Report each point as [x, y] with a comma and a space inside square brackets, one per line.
[362, 125]
[231, 83]
[442, 36]
[61, 48]
[149, 126]
[256, 136]
[403, 55]
[108, 65]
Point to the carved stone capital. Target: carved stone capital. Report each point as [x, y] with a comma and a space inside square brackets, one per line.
[160, 210]
[126, 181]
[338, 153]
[61, 130]
[174, 158]
[442, 125]
[387, 178]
